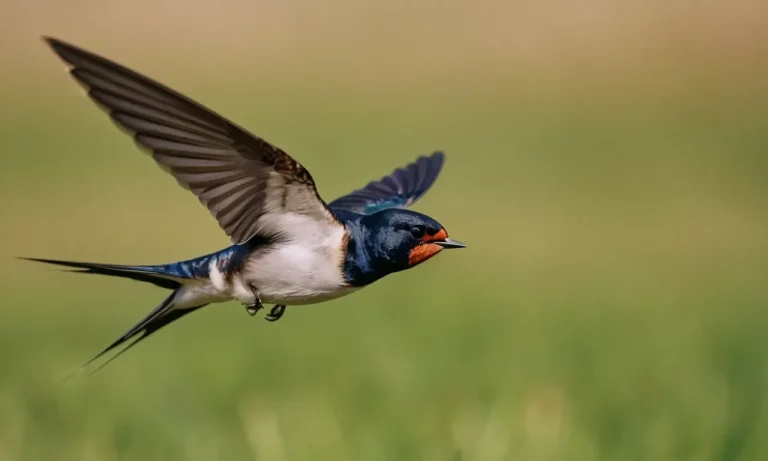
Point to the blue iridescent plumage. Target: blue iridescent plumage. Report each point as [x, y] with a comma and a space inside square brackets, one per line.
[170, 276]
[397, 190]
[228, 261]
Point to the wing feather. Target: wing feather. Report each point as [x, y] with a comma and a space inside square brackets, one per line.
[231, 171]
[399, 189]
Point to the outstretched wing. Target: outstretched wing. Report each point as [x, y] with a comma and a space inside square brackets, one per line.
[245, 182]
[397, 190]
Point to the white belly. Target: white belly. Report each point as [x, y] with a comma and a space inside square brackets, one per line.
[306, 269]
[293, 275]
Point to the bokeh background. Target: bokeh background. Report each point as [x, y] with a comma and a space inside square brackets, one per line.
[607, 167]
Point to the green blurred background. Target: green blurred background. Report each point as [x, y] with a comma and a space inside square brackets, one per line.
[606, 166]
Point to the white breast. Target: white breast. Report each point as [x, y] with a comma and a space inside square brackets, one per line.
[306, 269]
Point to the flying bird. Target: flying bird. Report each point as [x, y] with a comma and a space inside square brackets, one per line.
[289, 247]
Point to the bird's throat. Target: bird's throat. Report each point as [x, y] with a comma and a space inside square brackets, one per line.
[423, 252]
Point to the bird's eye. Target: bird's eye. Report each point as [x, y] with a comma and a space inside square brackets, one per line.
[418, 231]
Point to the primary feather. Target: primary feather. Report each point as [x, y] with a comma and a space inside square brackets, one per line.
[241, 179]
[399, 189]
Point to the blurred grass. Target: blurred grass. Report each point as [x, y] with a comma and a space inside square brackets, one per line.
[611, 304]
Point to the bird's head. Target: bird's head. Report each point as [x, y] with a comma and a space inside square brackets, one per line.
[398, 239]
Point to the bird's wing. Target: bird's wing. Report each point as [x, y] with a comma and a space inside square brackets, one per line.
[397, 190]
[245, 182]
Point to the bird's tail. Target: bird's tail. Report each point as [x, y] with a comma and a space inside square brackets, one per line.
[164, 314]
[166, 276]
[171, 276]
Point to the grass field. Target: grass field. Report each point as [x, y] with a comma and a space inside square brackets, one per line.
[612, 302]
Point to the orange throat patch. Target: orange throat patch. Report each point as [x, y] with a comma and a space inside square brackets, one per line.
[423, 252]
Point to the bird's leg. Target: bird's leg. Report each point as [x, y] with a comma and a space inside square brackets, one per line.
[276, 312]
[256, 305]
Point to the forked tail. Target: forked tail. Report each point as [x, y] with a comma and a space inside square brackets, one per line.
[171, 276]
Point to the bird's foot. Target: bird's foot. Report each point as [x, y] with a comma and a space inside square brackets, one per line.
[276, 313]
[256, 305]
[252, 309]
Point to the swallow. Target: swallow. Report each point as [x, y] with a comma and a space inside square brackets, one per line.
[289, 247]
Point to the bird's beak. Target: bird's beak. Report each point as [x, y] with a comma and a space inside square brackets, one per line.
[450, 243]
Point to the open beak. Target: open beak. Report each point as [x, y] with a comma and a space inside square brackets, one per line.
[450, 243]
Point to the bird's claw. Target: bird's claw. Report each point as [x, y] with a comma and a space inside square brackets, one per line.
[276, 313]
[256, 305]
[252, 309]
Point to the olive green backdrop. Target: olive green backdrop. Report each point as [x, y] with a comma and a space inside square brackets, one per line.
[606, 166]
